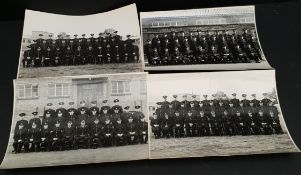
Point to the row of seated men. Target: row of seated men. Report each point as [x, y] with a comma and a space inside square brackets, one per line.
[197, 47]
[78, 51]
[221, 117]
[63, 129]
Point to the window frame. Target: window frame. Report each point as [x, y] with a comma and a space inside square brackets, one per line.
[32, 88]
[124, 92]
[63, 89]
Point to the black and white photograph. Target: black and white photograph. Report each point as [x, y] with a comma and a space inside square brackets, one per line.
[60, 45]
[215, 114]
[78, 120]
[202, 39]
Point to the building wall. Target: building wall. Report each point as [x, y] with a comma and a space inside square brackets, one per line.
[29, 105]
[149, 33]
[198, 20]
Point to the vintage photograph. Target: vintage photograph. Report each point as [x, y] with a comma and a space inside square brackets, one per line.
[215, 114]
[62, 45]
[202, 39]
[78, 120]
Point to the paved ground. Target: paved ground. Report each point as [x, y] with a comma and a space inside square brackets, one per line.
[78, 70]
[218, 146]
[123, 153]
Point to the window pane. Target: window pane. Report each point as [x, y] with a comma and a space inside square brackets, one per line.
[28, 90]
[35, 91]
[120, 87]
[59, 90]
[51, 90]
[114, 87]
[65, 89]
[127, 87]
[21, 91]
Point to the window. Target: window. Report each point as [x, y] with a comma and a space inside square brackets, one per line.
[222, 21]
[249, 20]
[202, 22]
[121, 87]
[242, 20]
[58, 90]
[142, 86]
[27, 91]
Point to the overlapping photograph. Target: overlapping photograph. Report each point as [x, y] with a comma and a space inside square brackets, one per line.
[202, 39]
[62, 45]
[77, 120]
[215, 114]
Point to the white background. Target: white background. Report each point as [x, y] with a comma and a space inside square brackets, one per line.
[124, 20]
[240, 82]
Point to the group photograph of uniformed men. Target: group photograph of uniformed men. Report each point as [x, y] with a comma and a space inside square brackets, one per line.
[60, 129]
[71, 120]
[106, 48]
[199, 38]
[218, 116]
[211, 115]
[81, 45]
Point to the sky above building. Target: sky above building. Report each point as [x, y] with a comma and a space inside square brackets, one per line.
[124, 20]
[248, 82]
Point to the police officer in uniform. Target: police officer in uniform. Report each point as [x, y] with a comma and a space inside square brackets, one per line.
[137, 114]
[255, 101]
[178, 124]
[96, 132]
[35, 119]
[82, 134]
[20, 135]
[105, 106]
[120, 133]
[115, 115]
[45, 137]
[93, 114]
[62, 109]
[125, 115]
[72, 113]
[68, 135]
[132, 132]
[156, 126]
[244, 101]
[116, 105]
[234, 100]
[205, 102]
[93, 108]
[108, 131]
[27, 57]
[105, 115]
[57, 136]
[143, 131]
[265, 100]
